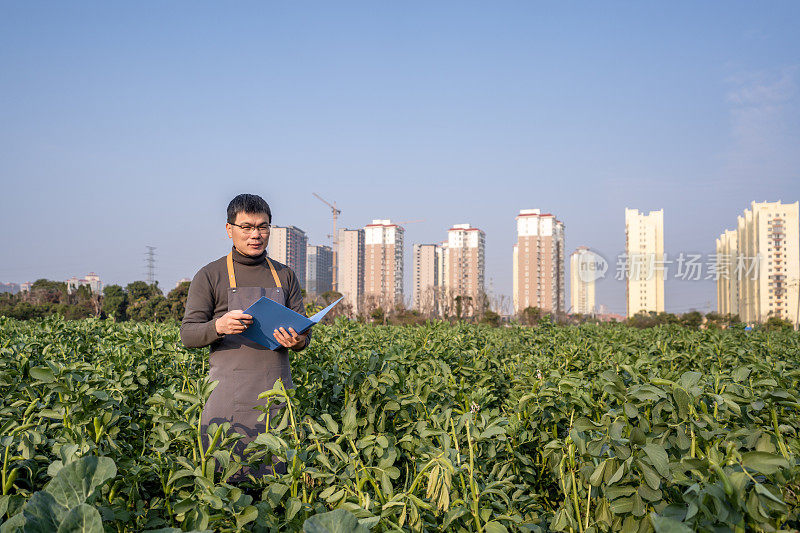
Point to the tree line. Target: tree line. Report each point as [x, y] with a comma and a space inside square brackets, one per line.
[137, 301]
[140, 301]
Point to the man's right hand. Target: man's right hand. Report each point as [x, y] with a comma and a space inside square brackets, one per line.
[233, 323]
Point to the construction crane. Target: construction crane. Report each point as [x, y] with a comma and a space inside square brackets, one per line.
[336, 212]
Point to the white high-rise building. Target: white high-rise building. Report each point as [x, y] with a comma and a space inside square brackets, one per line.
[581, 274]
[91, 280]
[287, 245]
[758, 264]
[350, 267]
[644, 248]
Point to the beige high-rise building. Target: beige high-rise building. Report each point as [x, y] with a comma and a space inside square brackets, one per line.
[465, 266]
[759, 264]
[644, 249]
[287, 245]
[727, 285]
[350, 266]
[383, 263]
[425, 279]
[582, 276]
[538, 263]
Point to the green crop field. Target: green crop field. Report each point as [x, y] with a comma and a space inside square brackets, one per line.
[432, 428]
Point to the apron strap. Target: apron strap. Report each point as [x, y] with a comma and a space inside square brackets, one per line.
[232, 276]
[274, 274]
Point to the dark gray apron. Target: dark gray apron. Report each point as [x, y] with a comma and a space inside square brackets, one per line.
[245, 369]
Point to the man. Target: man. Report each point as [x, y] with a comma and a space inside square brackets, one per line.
[217, 295]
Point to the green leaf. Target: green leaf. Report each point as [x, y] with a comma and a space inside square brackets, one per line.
[690, 379]
[336, 521]
[682, 400]
[43, 374]
[651, 477]
[42, 513]
[349, 421]
[667, 525]
[494, 527]
[622, 505]
[764, 462]
[658, 456]
[596, 479]
[81, 519]
[14, 524]
[77, 481]
[292, 507]
[330, 423]
[249, 514]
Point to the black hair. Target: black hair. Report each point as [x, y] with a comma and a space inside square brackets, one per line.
[248, 203]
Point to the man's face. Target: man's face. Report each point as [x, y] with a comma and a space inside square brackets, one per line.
[252, 240]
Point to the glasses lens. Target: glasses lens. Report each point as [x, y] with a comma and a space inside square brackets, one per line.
[249, 229]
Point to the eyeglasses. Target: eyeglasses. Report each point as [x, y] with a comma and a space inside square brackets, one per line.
[247, 228]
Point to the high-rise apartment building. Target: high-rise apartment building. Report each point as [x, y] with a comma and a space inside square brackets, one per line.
[11, 288]
[582, 276]
[426, 279]
[538, 273]
[465, 265]
[644, 249]
[727, 285]
[287, 245]
[383, 263]
[91, 280]
[350, 267]
[319, 269]
[758, 264]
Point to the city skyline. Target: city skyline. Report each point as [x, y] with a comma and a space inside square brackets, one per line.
[291, 244]
[136, 127]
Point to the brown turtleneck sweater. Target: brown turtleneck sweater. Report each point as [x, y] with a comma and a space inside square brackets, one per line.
[208, 294]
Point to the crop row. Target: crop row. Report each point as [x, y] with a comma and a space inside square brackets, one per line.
[440, 427]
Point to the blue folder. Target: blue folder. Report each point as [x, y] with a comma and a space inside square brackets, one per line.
[269, 316]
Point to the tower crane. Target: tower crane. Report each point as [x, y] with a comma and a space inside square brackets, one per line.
[336, 212]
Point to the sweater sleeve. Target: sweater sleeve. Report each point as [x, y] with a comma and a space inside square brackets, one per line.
[294, 301]
[197, 327]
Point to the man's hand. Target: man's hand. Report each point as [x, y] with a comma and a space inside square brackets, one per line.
[233, 323]
[290, 339]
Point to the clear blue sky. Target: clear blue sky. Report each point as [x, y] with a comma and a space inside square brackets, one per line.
[132, 124]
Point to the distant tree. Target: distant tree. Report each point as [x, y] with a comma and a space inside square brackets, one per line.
[692, 319]
[464, 306]
[714, 320]
[140, 290]
[46, 291]
[177, 300]
[776, 323]
[115, 302]
[155, 309]
[530, 316]
[328, 297]
[378, 314]
[667, 318]
[491, 318]
[643, 319]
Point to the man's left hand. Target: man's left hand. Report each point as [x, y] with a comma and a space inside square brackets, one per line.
[290, 339]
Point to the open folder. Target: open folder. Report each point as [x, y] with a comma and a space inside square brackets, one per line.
[269, 316]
